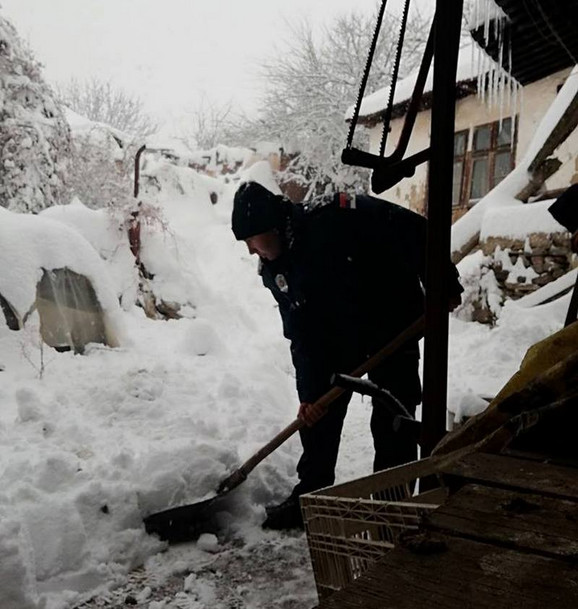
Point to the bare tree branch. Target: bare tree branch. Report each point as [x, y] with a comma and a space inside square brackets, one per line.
[206, 124]
[103, 102]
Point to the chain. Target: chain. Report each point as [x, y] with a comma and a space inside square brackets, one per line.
[393, 83]
[368, 63]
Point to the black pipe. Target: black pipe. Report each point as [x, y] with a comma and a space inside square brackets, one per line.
[137, 170]
[440, 184]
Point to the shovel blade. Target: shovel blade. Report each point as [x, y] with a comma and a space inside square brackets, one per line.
[186, 522]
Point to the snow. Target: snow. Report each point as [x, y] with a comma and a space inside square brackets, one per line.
[483, 11]
[106, 235]
[99, 133]
[34, 137]
[211, 159]
[550, 290]
[518, 221]
[102, 440]
[261, 172]
[482, 359]
[207, 542]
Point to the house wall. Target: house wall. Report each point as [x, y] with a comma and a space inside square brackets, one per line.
[472, 112]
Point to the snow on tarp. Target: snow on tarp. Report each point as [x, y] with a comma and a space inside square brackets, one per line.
[107, 235]
[33, 243]
[470, 224]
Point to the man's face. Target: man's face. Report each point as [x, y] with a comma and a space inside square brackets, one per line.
[266, 245]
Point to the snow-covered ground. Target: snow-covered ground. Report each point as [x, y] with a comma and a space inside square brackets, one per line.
[101, 440]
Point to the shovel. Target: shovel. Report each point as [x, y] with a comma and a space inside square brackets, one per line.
[187, 521]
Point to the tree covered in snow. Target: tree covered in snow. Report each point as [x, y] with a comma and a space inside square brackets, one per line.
[34, 136]
[108, 126]
[313, 79]
[101, 167]
[103, 102]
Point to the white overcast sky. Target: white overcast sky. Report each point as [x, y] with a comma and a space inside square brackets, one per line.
[168, 52]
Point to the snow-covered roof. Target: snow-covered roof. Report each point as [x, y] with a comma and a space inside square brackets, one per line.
[471, 61]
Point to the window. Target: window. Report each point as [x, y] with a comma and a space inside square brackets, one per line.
[492, 157]
[460, 149]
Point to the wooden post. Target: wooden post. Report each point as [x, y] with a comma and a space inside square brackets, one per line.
[447, 36]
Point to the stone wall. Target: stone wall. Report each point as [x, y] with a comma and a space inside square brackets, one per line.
[541, 258]
[522, 267]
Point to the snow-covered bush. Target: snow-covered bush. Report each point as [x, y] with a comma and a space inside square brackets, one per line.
[482, 298]
[34, 136]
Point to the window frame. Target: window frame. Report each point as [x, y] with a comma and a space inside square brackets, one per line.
[490, 154]
[461, 158]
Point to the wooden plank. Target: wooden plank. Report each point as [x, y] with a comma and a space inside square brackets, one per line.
[507, 472]
[539, 456]
[512, 519]
[464, 575]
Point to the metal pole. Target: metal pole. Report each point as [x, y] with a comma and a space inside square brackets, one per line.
[447, 37]
[137, 170]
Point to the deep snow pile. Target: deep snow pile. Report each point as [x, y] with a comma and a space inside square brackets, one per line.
[482, 359]
[104, 439]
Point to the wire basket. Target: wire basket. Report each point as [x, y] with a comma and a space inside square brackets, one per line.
[350, 526]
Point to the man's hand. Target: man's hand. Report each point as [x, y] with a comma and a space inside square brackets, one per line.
[310, 413]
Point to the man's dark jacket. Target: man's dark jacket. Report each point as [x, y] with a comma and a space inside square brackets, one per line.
[350, 279]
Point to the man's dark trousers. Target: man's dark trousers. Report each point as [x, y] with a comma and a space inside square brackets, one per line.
[316, 468]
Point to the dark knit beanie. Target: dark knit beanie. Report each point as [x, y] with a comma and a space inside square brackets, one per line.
[256, 210]
[565, 208]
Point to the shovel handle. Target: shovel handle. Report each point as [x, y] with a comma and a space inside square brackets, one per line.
[324, 401]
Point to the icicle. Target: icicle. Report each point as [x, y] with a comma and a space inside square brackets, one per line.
[514, 111]
[496, 87]
[501, 75]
